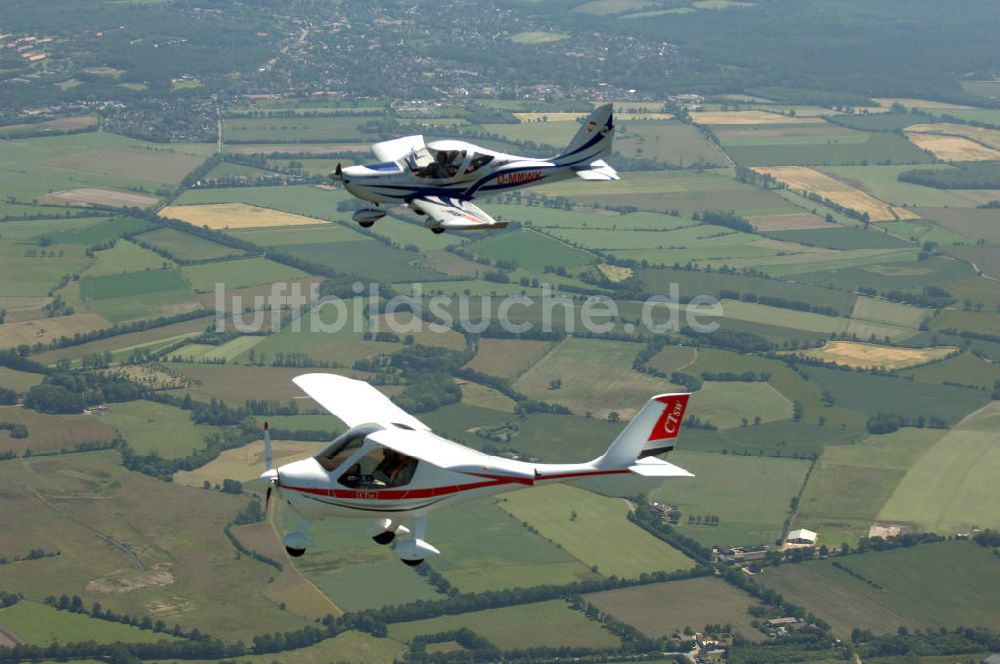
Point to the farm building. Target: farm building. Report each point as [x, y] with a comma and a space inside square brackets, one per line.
[801, 536]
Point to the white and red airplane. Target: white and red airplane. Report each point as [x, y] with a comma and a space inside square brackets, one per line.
[389, 466]
[440, 179]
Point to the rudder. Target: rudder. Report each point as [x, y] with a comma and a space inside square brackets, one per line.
[650, 432]
[592, 140]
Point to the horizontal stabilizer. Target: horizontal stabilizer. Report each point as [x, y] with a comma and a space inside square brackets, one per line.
[653, 467]
[598, 170]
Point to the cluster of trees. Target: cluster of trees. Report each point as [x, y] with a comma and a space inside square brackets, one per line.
[652, 522]
[744, 377]
[252, 553]
[685, 380]
[16, 429]
[741, 342]
[905, 644]
[883, 423]
[966, 175]
[69, 391]
[34, 554]
[933, 297]
[784, 303]
[725, 219]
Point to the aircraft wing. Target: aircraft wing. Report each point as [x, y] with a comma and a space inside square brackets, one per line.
[452, 214]
[397, 148]
[449, 455]
[597, 170]
[355, 402]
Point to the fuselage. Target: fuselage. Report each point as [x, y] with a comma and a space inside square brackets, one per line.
[315, 492]
[389, 182]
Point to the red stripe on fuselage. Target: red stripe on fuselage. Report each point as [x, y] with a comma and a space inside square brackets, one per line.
[415, 494]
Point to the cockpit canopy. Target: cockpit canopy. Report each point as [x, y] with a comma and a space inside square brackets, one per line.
[360, 465]
[447, 160]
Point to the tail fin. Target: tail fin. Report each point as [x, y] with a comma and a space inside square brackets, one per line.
[592, 140]
[651, 431]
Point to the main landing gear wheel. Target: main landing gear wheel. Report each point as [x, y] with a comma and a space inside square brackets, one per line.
[366, 224]
[437, 231]
[294, 553]
[385, 538]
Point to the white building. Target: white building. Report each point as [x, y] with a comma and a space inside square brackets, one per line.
[801, 536]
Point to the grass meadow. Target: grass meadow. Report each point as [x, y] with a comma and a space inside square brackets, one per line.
[945, 583]
[624, 550]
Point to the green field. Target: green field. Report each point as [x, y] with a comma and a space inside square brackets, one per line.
[930, 585]
[668, 142]
[95, 504]
[368, 259]
[126, 342]
[692, 283]
[238, 274]
[35, 167]
[131, 295]
[22, 275]
[612, 384]
[153, 427]
[851, 483]
[873, 394]
[125, 257]
[879, 147]
[799, 320]
[186, 247]
[840, 238]
[664, 609]
[623, 549]
[965, 369]
[19, 381]
[39, 625]
[953, 486]
[673, 358]
[530, 250]
[749, 494]
[726, 404]
[503, 555]
[550, 624]
[75, 232]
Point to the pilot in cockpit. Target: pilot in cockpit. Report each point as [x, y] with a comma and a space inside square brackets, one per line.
[445, 165]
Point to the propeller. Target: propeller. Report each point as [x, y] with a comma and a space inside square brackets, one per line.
[338, 174]
[270, 476]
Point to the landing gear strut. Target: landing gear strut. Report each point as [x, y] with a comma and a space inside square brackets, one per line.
[384, 531]
[413, 551]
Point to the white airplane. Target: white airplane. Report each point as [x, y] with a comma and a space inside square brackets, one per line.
[440, 179]
[389, 465]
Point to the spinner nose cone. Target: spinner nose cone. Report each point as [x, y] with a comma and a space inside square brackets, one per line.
[270, 476]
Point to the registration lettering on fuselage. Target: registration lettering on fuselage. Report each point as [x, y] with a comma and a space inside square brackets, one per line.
[521, 177]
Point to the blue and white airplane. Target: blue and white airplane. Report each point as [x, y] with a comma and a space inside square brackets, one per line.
[440, 179]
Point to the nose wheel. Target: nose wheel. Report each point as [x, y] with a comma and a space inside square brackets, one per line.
[297, 541]
[294, 553]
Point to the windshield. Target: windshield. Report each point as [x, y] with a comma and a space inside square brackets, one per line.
[343, 447]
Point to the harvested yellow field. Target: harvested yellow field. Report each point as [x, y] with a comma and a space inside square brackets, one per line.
[953, 148]
[988, 137]
[614, 273]
[235, 215]
[45, 330]
[746, 118]
[869, 356]
[910, 102]
[805, 179]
